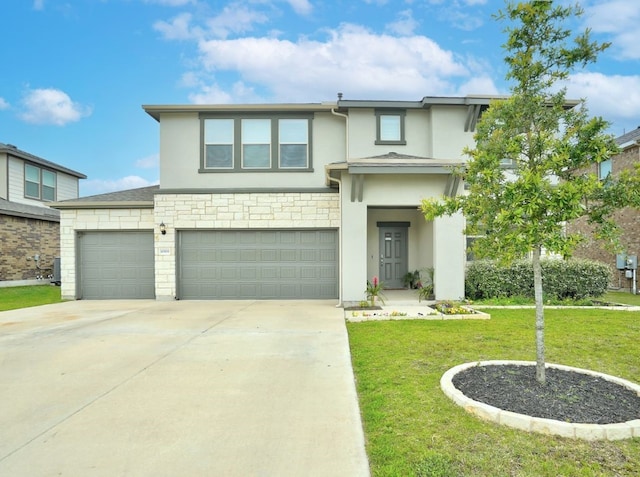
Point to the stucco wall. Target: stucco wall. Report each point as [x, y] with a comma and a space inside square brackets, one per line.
[234, 211]
[22, 239]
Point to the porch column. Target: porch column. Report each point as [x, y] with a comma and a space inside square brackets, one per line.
[354, 247]
[449, 259]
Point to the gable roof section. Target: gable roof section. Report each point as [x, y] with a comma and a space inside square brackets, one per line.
[629, 139]
[12, 150]
[141, 198]
[16, 209]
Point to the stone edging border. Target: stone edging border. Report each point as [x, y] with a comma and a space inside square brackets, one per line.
[590, 432]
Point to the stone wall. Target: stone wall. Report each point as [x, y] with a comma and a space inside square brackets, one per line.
[282, 210]
[22, 239]
[628, 219]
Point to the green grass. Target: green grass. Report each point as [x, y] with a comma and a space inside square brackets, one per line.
[12, 298]
[413, 429]
[611, 296]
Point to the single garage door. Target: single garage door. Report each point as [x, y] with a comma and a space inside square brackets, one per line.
[116, 265]
[258, 264]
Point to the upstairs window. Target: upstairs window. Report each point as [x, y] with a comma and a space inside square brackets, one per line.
[604, 169]
[294, 143]
[39, 183]
[256, 143]
[218, 143]
[390, 127]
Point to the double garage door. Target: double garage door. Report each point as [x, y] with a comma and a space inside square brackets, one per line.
[257, 264]
[115, 265]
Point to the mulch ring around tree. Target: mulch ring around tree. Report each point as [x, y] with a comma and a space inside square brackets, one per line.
[567, 396]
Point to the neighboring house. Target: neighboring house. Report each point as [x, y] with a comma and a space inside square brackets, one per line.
[628, 219]
[279, 201]
[29, 228]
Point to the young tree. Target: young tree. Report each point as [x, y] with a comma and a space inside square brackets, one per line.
[527, 174]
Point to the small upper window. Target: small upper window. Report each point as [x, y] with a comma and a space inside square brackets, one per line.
[39, 183]
[604, 169]
[390, 127]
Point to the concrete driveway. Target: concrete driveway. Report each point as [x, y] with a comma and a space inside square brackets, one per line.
[187, 388]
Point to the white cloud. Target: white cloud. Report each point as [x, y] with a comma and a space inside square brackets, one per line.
[301, 7]
[103, 186]
[620, 19]
[351, 59]
[235, 18]
[148, 162]
[405, 24]
[38, 4]
[3, 104]
[179, 28]
[51, 106]
[214, 94]
[616, 98]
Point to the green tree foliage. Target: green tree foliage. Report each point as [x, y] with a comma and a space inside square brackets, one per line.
[548, 142]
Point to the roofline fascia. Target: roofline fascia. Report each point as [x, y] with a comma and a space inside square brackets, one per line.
[25, 156]
[156, 110]
[102, 205]
[372, 169]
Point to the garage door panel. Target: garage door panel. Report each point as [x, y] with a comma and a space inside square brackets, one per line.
[116, 264]
[250, 264]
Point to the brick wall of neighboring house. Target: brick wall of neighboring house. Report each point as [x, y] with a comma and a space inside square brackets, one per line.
[23, 238]
[628, 219]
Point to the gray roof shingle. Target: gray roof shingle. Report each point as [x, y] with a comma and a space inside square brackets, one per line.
[14, 151]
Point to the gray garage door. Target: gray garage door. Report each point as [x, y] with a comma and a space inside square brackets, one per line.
[115, 265]
[262, 264]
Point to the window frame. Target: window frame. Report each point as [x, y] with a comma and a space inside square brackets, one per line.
[238, 145]
[609, 172]
[401, 114]
[40, 183]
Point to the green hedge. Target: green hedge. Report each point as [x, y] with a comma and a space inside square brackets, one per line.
[561, 279]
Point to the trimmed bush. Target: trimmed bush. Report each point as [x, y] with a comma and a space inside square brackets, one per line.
[574, 279]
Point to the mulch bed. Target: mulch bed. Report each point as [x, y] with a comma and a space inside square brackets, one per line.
[566, 396]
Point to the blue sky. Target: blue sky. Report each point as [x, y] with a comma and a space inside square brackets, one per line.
[76, 72]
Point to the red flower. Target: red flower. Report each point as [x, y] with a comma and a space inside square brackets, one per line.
[375, 281]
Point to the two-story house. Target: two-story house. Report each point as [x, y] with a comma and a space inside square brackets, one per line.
[628, 219]
[285, 201]
[29, 228]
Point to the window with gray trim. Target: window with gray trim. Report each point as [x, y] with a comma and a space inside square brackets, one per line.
[39, 183]
[390, 127]
[256, 143]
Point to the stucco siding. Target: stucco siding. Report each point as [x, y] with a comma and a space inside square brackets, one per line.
[180, 157]
[447, 133]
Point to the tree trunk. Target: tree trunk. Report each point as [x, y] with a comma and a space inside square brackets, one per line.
[537, 288]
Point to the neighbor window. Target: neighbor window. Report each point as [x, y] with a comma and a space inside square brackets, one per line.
[390, 127]
[261, 143]
[39, 183]
[604, 169]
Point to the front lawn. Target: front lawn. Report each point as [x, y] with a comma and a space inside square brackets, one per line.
[413, 429]
[12, 298]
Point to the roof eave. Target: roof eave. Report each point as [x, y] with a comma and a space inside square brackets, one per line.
[71, 205]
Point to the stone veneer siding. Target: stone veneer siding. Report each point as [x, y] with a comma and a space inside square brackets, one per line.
[23, 238]
[73, 220]
[285, 210]
[628, 220]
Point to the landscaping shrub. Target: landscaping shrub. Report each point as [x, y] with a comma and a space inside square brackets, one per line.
[573, 279]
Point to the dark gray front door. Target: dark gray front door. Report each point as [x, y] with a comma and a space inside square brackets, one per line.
[393, 256]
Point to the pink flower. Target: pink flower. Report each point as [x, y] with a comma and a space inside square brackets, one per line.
[375, 281]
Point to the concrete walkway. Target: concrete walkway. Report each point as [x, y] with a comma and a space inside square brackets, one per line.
[190, 388]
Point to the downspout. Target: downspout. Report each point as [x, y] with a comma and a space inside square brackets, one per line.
[339, 182]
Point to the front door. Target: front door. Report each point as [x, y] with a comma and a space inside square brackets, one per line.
[393, 256]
